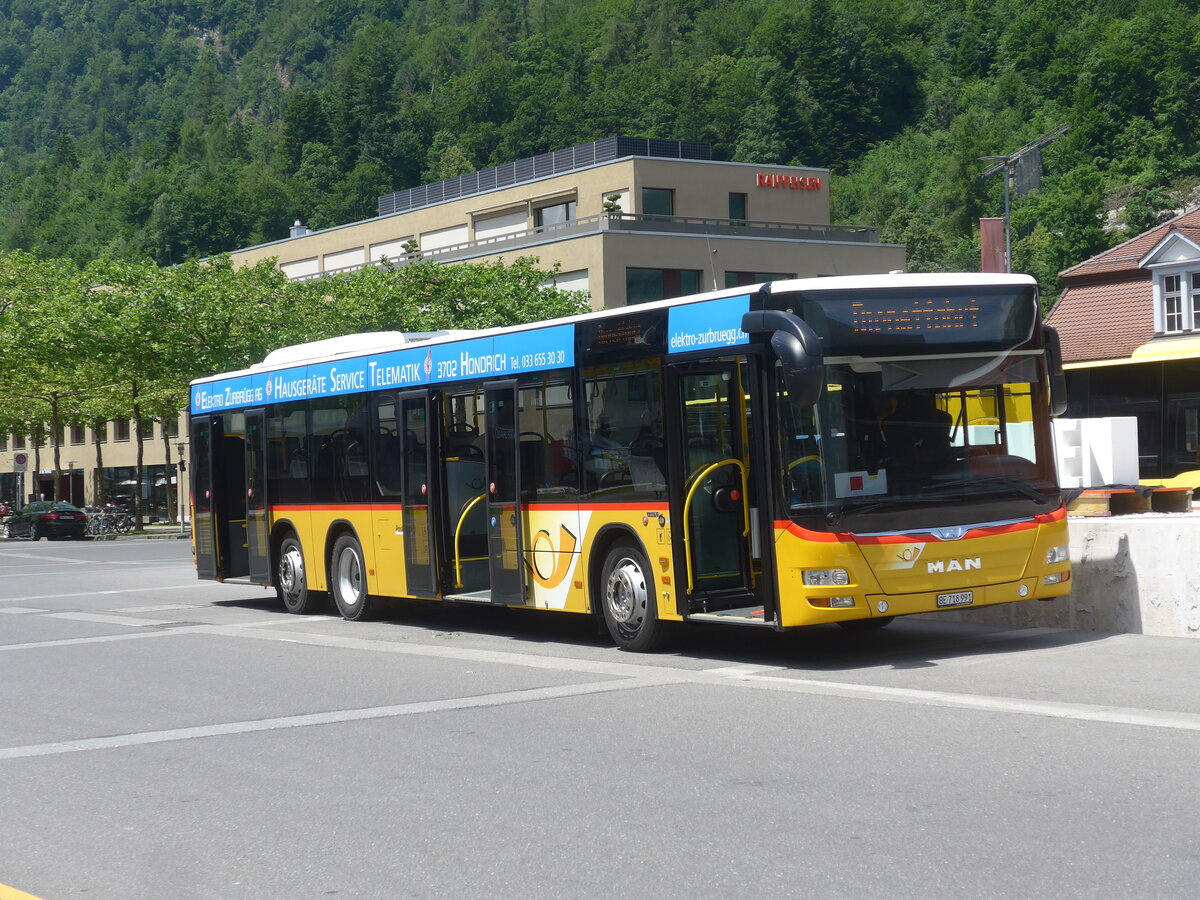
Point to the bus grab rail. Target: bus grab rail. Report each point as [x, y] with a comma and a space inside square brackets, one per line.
[687, 506]
[462, 518]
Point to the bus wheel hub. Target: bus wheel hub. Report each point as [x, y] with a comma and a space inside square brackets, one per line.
[627, 593]
[291, 571]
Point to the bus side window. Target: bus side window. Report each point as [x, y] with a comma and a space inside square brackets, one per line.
[387, 447]
[544, 421]
[624, 406]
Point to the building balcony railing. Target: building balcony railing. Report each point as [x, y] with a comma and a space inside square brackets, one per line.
[626, 222]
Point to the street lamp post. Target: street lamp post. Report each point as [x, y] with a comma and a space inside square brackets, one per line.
[180, 448]
[71, 481]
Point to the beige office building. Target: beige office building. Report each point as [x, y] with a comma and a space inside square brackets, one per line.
[629, 219]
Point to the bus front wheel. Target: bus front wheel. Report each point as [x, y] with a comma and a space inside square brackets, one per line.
[291, 581]
[627, 600]
[348, 581]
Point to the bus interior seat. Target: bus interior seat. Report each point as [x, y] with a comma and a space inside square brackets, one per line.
[461, 443]
[533, 460]
[646, 457]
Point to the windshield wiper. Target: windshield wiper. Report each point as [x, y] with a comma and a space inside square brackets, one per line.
[1021, 487]
[835, 515]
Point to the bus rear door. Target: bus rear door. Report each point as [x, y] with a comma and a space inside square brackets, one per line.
[219, 489]
[258, 526]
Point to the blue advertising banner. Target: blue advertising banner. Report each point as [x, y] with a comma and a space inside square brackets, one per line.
[487, 357]
[708, 325]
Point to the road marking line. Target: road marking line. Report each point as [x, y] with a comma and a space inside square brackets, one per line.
[1086, 712]
[633, 675]
[107, 620]
[95, 639]
[326, 718]
[164, 607]
[22, 610]
[137, 590]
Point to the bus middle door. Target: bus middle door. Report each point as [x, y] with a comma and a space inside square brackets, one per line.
[503, 489]
[417, 494]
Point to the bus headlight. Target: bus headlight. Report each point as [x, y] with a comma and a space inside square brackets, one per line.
[1057, 555]
[825, 577]
[832, 602]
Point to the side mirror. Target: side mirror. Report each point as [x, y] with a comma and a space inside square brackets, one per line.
[1054, 369]
[797, 348]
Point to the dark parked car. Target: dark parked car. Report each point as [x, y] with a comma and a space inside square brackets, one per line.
[46, 518]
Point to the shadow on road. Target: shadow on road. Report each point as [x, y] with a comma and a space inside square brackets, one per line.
[908, 643]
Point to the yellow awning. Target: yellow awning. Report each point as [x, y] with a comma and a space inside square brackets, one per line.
[1154, 351]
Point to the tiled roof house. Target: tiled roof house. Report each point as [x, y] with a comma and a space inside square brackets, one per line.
[1107, 309]
[1129, 324]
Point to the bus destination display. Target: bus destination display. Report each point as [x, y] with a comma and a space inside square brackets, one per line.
[904, 321]
[961, 314]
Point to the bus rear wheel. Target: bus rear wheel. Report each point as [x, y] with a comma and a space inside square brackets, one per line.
[291, 580]
[348, 580]
[627, 600]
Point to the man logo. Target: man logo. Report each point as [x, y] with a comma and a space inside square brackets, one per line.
[954, 565]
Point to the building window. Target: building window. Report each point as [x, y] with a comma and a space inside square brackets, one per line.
[18, 442]
[100, 431]
[741, 279]
[558, 214]
[147, 428]
[170, 427]
[1172, 305]
[77, 433]
[658, 202]
[3, 441]
[737, 207]
[121, 430]
[1195, 284]
[645, 285]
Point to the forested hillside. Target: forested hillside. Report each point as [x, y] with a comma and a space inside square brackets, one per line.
[135, 128]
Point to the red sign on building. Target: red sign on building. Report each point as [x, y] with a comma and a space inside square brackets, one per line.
[794, 182]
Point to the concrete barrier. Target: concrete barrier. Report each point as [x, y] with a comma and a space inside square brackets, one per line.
[1137, 574]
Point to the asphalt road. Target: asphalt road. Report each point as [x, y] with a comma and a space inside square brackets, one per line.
[162, 737]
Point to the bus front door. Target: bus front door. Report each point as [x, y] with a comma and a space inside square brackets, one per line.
[502, 489]
[416, 494]
[712, 452]
[258, 526]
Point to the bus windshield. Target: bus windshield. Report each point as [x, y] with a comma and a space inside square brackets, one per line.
[904, 441]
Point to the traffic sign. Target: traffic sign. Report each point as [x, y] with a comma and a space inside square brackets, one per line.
[20, 462]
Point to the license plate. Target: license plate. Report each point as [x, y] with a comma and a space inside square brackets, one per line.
[961, 598]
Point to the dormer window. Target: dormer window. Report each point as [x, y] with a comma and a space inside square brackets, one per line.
[1175, 262]
[1180, 302]
[1172, 304]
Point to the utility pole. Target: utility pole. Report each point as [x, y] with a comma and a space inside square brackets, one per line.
[1008, 165]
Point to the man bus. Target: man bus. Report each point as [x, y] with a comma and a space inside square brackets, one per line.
[833, 450]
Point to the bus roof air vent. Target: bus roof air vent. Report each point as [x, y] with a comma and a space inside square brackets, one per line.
[349, 345]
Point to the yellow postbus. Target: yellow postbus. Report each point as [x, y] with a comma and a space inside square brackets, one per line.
[834, 450]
